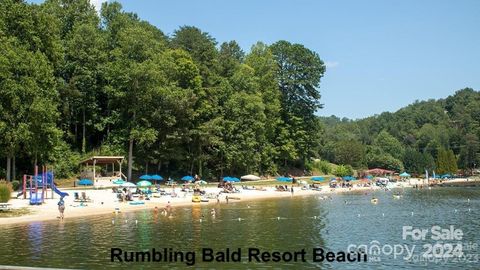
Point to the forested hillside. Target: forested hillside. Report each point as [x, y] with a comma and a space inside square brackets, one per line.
[441, 135]
[74, 83]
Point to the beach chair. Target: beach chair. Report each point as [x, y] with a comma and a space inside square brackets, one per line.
[5, 207]
[85, 198]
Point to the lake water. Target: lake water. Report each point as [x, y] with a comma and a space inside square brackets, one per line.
[270, 225]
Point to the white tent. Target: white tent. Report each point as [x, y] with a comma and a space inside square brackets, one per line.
[250, 177]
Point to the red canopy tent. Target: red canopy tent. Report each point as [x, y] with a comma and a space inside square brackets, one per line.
[378, 171]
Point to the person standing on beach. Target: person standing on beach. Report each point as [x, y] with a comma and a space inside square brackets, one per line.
[291, 190]
[61, 207]
[226, 198]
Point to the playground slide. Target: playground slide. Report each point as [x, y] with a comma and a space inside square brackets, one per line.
[60, 193]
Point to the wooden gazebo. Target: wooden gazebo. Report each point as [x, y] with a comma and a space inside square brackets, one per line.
[105, 160]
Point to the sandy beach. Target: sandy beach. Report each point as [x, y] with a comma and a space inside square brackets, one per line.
[104, 201]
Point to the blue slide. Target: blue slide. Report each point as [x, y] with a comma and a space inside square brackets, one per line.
[60, 193]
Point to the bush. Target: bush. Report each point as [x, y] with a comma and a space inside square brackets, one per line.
[341, 171]
[15, 185]
[5, 191]
[319, 166]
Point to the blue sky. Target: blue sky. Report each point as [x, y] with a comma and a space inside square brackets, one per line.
[380, 55]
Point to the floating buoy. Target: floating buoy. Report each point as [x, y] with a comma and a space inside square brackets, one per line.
[468, 209]
[455, 210]
[278, 218]
[113, 221]
[412, 213]
[126, 220]
[239, 219]
[136, 222]
[358, 215]
[200, 220]
[383, 214]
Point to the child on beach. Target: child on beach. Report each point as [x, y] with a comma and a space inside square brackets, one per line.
[61, 207]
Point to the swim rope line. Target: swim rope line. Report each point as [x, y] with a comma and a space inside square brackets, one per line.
[240, 219]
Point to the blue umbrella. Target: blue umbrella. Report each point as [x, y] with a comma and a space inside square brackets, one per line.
[231, 179]
[187, 178]
[118, 182]
[348, 178]
[85, 182]
[145, 177]
[404, 174]
[317, 178]
[156, 177]
[144, 184]
[284, 179]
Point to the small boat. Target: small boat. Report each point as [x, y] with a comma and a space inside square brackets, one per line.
[374, 200]
[397, 196]
[204, 200]
[196, 199]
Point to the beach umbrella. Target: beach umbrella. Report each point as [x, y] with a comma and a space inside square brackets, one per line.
[404, 174]
[156, 177]
[250, 177]
[227, 178]
[187, 178]
[348, 178]
[118, 182]
[85, 182]
[317, 178]
[369, 177]
[144, 184]
[284, 179]
[128, 184]
[145, 177]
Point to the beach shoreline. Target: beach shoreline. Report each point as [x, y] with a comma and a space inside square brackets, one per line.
[104, 201]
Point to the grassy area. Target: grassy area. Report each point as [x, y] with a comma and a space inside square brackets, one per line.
[14, 212]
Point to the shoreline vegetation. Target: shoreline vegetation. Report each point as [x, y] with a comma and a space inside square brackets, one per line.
[104, 201]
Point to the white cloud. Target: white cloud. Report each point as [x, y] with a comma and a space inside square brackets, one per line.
[97, 4]
[331, 64]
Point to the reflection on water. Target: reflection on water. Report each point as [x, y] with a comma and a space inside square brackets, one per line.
[271, 225]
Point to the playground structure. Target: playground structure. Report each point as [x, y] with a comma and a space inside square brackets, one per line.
[38, 185]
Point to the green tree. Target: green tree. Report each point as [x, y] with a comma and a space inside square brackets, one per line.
[350, 152]
[389, 144]
[298, 75]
